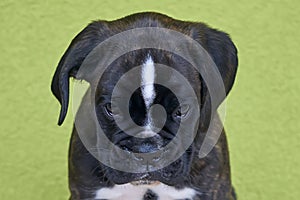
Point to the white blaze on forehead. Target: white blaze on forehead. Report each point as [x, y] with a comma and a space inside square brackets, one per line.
[148, 76]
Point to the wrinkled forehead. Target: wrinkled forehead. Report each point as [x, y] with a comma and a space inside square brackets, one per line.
[148, 67]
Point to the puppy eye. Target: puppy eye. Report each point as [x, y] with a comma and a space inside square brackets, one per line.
[181, 111]
[108, 109]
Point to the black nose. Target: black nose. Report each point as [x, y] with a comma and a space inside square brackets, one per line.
[142, 146]
[145, 147]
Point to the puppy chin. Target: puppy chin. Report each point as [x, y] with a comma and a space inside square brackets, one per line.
[120, 178]
[145, 182]
[171, 175]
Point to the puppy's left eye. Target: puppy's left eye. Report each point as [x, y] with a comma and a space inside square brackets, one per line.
[108, 110]
[181, 111]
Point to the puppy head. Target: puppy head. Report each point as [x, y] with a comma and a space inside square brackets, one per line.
[132, 139]
[216, 43]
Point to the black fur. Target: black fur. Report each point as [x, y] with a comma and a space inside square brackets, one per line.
[150, 195]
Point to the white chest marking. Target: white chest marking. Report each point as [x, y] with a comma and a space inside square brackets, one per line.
[137, 192]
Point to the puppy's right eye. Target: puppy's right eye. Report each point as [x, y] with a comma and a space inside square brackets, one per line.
[108, 110]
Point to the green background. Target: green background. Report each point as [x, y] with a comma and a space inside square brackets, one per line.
[262, 110]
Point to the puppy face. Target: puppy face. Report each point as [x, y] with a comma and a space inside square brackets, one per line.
[139, 109]
[216, 43]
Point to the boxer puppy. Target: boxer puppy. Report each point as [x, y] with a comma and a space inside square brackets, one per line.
[188, 177]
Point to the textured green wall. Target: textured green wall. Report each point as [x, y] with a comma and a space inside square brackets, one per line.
[262, 111]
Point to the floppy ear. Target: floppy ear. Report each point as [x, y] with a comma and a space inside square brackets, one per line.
[70, 62]
[224, 53]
